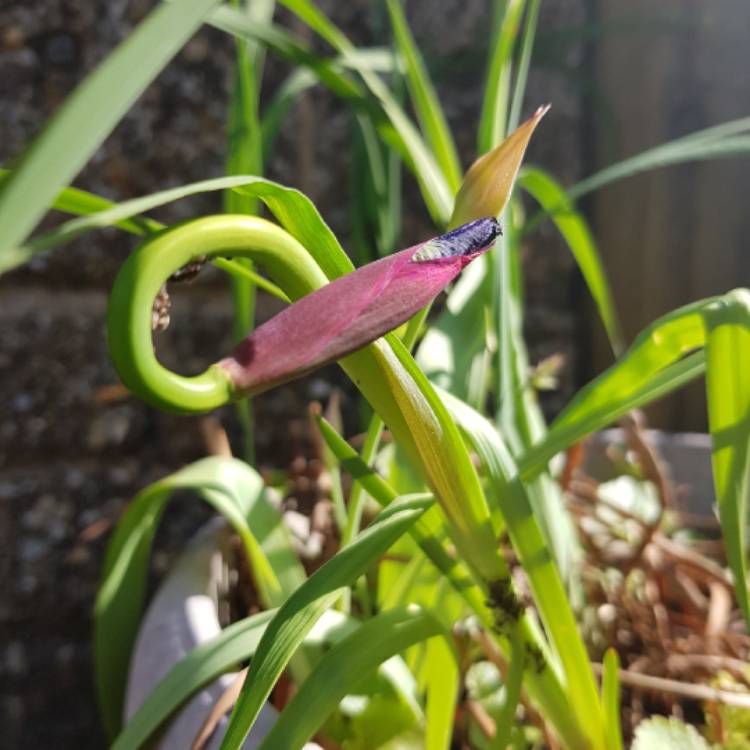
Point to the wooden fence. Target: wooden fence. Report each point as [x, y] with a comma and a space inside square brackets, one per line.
[664, 69]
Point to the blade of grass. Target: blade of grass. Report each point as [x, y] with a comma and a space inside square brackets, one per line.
[301, 79]
[719, 141]
[561, 436]
[203, 664]
[524, 62]
[300, 612]
[234, 268]
[341, 671]
[232, 646]
[611, 699]
[506, 17]
[232, 488]
[573, 227]
[650, 368]
[728, 391]
[433, 184]
[358, 492]
[73, 134]
[442, 694]
[507, 718]
[425, 100]
[72, 200]
[510, 498]
[292, 208]
[695, 147]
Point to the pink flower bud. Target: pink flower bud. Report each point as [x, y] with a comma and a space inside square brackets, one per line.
[355, 309]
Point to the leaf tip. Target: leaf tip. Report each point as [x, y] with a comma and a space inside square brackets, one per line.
[489, 181]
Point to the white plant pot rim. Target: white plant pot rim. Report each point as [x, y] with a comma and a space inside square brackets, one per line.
[182, 615]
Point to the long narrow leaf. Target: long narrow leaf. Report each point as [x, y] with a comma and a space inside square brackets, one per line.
[292, 208]
[573, 227]
[442, 694]
[426, 102]
[611, 699]
[654, 387]
[435, 189]
[79, 202]
[507, 718]
[341, 670]
[203, 664]
[641, 374]
[725, 140]
[232, 488]
[493, 120]
[728, 390]
[512, 501]
[300, 612]
[524, 62]
[74, 133]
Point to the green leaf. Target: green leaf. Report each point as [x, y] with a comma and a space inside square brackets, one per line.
[507, 718]
[427, 531]
[90, 114]
[728, 390]
[611, 699]
[72, 200]
[725, 140]
[425, 100]
[573, 227]
[650, 368]
[233, 489]
[342, 670]
[203, 664]
[435, 189]
[233, 645]
[671, 378]
[660, 733]
[300, 612]
[299, 216]
[510, 498]
[294, 210]
[493, 120]
[245, 156]
[442, 694]
[524, 62]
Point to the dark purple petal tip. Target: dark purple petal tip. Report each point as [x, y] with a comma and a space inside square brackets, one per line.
[467, 239]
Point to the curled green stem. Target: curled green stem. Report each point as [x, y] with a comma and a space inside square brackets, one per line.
[137, 284]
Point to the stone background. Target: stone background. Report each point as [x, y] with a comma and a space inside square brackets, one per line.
[69, 462]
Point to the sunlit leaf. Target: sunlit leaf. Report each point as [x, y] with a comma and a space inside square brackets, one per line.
[73, 134]
[728, 390]
[230, 487]
[489, 181]
[611, 699]
[299, 613]
[342, 670]
[426, 103]
[573, 227]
